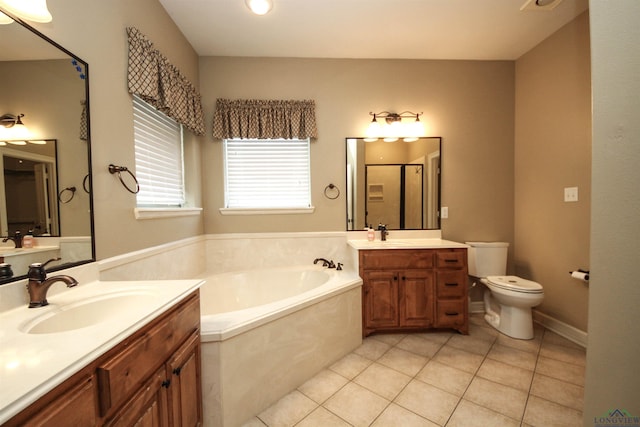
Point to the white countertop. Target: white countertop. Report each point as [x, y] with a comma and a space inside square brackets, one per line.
[361, 244]
[33, 364]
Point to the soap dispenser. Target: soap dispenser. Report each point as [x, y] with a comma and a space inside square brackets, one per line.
[27, 240]
[371, 235]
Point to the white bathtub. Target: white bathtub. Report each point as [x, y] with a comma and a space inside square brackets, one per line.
[265, 332]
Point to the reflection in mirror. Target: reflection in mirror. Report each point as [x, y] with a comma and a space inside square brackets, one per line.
[48, 85]
[393, 183]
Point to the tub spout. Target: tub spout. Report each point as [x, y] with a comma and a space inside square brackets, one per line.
[325, 263]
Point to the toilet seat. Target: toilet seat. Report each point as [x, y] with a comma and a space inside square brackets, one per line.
[515, 284]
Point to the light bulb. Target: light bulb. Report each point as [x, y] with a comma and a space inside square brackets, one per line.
[259, 7]
[30, 10]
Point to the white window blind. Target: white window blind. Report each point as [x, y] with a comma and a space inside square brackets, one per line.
[267, 173]
[158, 151]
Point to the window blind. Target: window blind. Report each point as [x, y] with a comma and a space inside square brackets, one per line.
[158, 152]
[272, 173]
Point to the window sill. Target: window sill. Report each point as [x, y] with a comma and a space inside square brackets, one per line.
[265, 211]
[152, 213]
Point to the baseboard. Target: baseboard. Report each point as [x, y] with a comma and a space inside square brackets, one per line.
[476, 307]
[563, 329]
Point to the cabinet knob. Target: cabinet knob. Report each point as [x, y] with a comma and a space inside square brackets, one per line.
[451, 284]
[177, 370]
[451, 313]
[166, 383]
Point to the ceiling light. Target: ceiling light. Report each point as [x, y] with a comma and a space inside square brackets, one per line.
[259, 7]
[30, 10]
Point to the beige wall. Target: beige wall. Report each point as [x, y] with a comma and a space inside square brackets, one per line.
[469, 103]
[613, 377]
[95, 31]
[553, 151]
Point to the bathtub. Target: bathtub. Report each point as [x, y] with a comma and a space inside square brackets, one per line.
[265, 332]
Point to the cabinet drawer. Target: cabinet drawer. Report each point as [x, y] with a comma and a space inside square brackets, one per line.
[450, 313]
[451, 284]
[455, 258]
[122, 375]
[396, 259]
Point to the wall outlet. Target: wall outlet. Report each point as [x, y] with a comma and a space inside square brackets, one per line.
[571, 194]
[444, 212]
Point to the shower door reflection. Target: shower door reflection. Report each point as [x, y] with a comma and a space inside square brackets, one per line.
[394, 196]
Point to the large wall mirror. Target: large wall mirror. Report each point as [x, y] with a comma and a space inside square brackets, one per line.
[45, 187]
[393, 183]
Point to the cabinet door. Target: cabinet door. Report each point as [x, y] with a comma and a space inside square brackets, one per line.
[381, 299]
[74, 407]
[416, 298]
[184, 391]
[148, 407]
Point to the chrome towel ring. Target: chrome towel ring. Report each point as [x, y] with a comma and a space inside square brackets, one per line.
[113, 169]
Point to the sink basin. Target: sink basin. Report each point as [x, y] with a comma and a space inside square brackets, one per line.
[86, 313]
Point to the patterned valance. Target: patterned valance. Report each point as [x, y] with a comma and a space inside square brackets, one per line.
[83, 122]
[161, 84]
[264, 119]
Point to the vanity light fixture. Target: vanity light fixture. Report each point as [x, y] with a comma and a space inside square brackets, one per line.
[259, 7]
[14, 128]
[29, 10]
[394, 128]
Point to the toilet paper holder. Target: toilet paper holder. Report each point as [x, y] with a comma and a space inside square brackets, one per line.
[580, 274]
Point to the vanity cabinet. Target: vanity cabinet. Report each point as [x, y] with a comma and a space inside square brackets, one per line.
[152, 378]
[413, 289]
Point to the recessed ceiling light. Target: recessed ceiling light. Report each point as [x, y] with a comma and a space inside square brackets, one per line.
[259, 7]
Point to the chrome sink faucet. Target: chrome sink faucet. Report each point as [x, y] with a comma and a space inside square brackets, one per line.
[17, 239]
[39, 284]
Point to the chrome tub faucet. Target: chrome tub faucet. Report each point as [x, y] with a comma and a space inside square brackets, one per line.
[39, 284]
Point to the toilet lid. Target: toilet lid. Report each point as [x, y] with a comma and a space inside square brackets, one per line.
[515, 283]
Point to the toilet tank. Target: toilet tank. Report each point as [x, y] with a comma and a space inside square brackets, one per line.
[487, 258]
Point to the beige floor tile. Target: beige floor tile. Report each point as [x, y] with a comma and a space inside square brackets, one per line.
[372, 348]
[254, 422]
[499, 398]
[419, 345]
[468, 414]
[428, 401]
[323, 385]
[382, 380]
[530, 346]
[505, 374]
[564, 354]
[551, 337]
[404, 361]
[445, 377]
[397, 416]
[391, 339]
[542, 413]
[350, 365]
[439, 337]
[483, 331]
[557, 391]
[288, 411]
[459, 359]
[324, 418]
[471, 344]
[569, 372]
[512, 356]
[356, 405]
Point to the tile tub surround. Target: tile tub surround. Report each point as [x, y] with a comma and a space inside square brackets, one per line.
[443, 379]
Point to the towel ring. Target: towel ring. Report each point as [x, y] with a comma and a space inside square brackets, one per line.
[67, 198]
[119, 169]
[85, 181]
[331, 188]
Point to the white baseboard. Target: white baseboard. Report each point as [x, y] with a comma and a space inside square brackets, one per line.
[563, 329]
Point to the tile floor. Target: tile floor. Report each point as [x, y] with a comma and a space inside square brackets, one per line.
[442, 379]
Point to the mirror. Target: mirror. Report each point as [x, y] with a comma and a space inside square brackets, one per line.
[46, 181]
[393, 183]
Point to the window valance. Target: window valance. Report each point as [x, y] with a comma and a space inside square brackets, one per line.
[264, 119]
[161, 84]
[84, 128]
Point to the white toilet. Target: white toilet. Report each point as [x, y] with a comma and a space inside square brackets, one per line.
[514, 296]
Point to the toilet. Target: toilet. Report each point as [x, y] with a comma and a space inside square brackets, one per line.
[508, 299]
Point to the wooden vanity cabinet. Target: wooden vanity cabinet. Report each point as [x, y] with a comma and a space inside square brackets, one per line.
[413, 289]
[152, 378]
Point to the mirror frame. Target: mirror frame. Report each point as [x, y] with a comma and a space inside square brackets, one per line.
[350, 193]
[85, 66]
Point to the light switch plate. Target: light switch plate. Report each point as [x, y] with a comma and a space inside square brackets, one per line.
[571, 194]
[444, 212]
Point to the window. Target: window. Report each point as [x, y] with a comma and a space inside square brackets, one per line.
[267, 174]
[158, 150]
